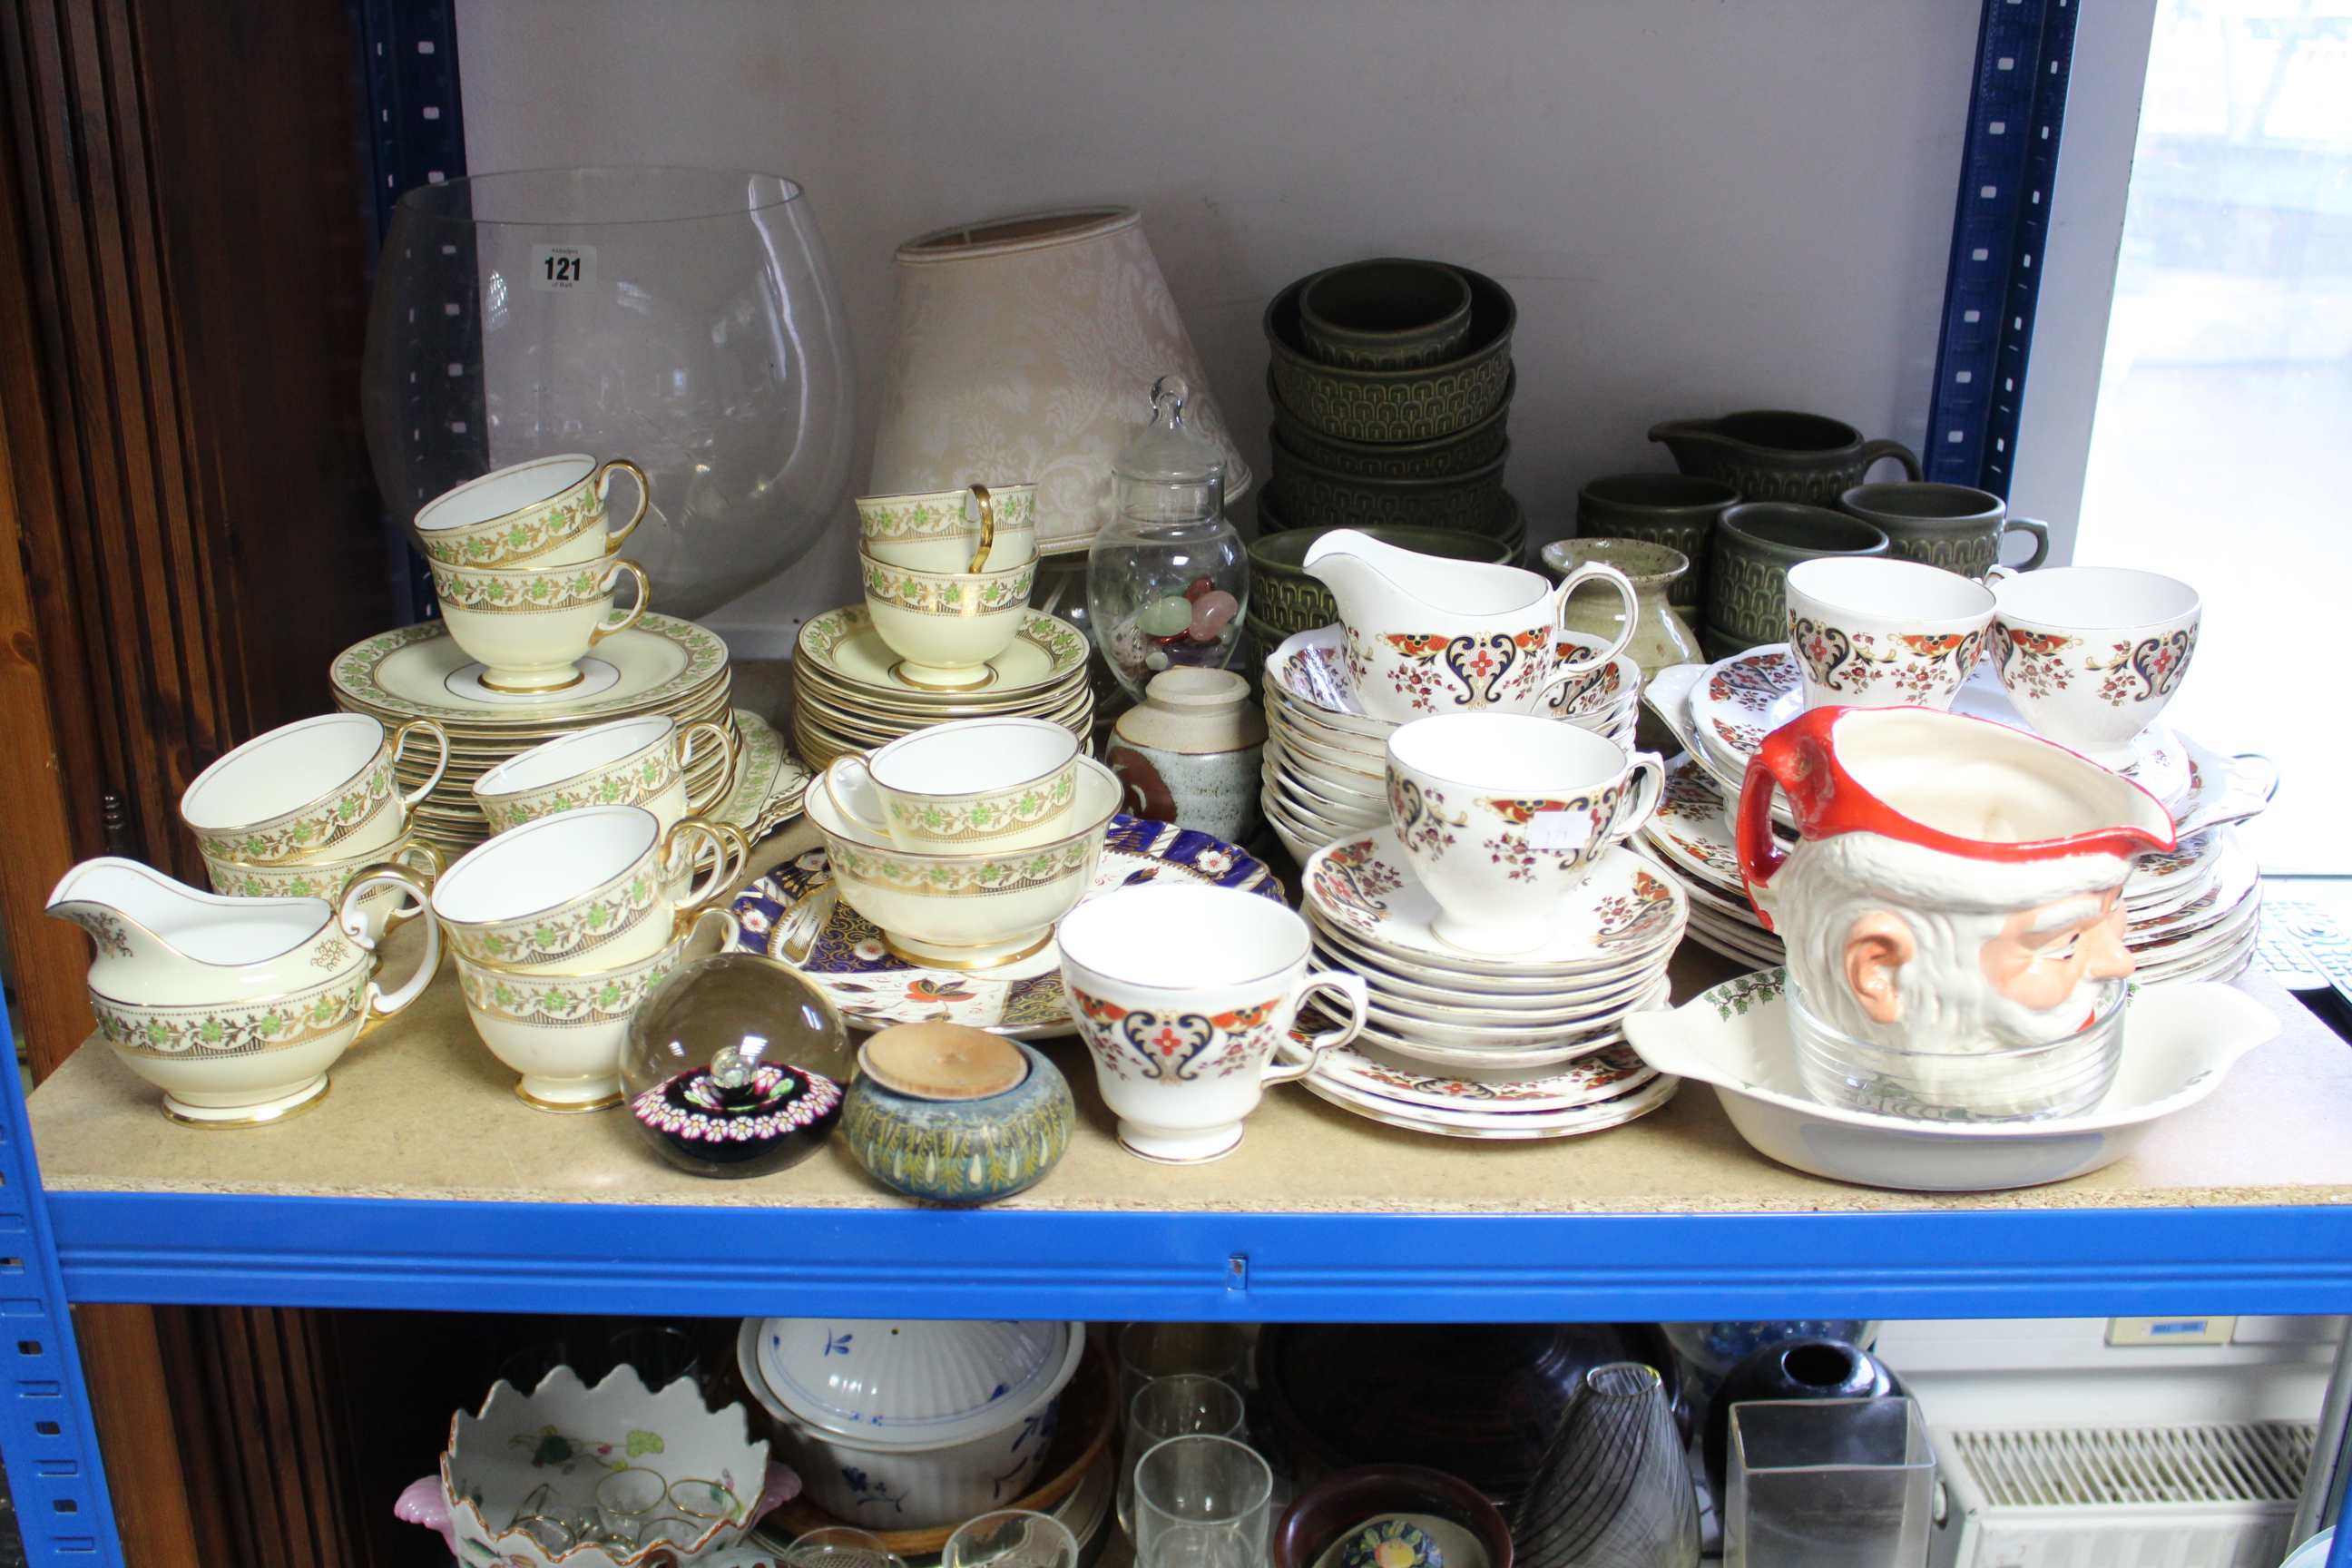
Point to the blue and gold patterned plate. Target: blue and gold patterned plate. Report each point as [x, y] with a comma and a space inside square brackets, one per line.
[792, 915]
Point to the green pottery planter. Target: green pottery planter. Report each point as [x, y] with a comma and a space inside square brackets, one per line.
[1449, 454]
[1421, 404]
[1316, 497]
[1389, 314]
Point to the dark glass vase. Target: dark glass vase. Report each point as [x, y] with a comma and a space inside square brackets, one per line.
[1613, 1490]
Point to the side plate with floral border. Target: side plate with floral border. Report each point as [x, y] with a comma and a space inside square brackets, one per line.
[792, 915]
[404, 673]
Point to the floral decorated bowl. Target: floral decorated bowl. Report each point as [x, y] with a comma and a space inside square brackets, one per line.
[541, 1457]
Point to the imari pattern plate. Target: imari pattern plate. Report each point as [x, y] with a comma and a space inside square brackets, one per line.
[1636, 1101]
[794, 915]
[1367, 1069]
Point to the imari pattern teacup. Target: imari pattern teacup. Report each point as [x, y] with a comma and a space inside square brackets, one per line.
[1873, 632]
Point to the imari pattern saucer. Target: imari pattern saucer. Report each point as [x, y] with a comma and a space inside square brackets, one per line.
[794, 915]
[1572, 1085]
[1636, 1101]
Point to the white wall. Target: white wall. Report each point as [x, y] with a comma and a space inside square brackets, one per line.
[1699, 204]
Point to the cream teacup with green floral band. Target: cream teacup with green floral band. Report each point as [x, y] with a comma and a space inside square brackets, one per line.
[982, 785]
[382, 907]
[581, 891]
[940, 531]
[946, 626]
[314, 790]
[630, 762]
[530, 627]
[548, 511]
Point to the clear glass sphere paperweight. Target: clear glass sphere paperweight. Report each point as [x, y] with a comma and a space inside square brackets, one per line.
[685, 319]
[1167, 578]
[736, 1067]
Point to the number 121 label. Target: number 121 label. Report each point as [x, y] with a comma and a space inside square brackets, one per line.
[562, 266]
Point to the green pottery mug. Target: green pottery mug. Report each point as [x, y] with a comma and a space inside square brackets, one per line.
[1755, 545]
[1952, 526]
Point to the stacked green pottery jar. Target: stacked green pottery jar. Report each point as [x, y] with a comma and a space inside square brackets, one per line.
[1392, 385]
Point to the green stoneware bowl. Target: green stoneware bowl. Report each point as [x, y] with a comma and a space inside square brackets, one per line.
[1449, 454]
[1388, 314]
[1756, 542]
[1314, 497]
[1421, 404]
[1285, 600]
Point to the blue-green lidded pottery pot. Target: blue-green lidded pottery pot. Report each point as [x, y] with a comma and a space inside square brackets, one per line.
[926, 1115]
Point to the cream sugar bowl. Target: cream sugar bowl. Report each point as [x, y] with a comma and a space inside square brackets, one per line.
[970, 785]
[1425, 635]
[548, 511]
[530, 627]
[317, 790]
[1503, 815]
[234, 1007]
[630, 761]
[974, 909]
[1185, 997]
[1871, 631]
[2091, 655]
[563, 1034]
[585, 890]
[946, 626]
[944, 531]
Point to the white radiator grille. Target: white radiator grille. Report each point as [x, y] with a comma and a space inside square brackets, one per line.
[2257, 1461]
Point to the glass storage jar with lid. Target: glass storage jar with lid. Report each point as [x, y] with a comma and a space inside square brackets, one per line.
[1167, 579]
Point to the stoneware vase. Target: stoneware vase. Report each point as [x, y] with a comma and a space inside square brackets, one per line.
[1678, 511]
[1661, 636]
[930, 1137]
[1189, 753]
[1772, 454]
[1020, 353]
[1756, 542]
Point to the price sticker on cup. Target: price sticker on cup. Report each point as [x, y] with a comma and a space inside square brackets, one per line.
[1569, 830]
[562, 267]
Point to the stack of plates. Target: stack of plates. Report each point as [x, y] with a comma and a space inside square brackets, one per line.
[661, 666]
[1326, 762]
[1475, 1047]
[846, 695]
[2194, 912]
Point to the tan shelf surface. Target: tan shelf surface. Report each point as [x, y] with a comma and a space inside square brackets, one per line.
[421, 1110]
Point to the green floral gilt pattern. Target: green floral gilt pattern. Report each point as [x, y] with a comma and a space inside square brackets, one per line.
[318, 827]
[1733, 998]
[556, 589]
[634, 785]
[582, 930]
[276, 1025]
[565, 999]
[575, 511]
[1011, 874]
[355, 668]
[987, 816]
[319, 879]
[921, 519]
[943, 594]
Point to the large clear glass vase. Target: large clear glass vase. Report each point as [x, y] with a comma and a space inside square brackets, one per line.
[683, 318]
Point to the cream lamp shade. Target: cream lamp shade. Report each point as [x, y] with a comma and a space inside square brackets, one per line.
[1024, 348]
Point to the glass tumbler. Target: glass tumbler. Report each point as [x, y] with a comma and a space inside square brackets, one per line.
[1828, 1483]
[840, 1546]
[1146, 1350]
[1178, 1406]
[1011, 1538]
[1200, 1503]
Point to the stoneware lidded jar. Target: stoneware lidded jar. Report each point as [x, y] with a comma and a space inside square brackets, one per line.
[1188, 754]
[955, 1114]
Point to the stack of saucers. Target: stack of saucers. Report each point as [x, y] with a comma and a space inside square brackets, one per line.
[661, 666]
[1326, 759]
[2193, 912]
[1526, 1042]
[846, 695]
